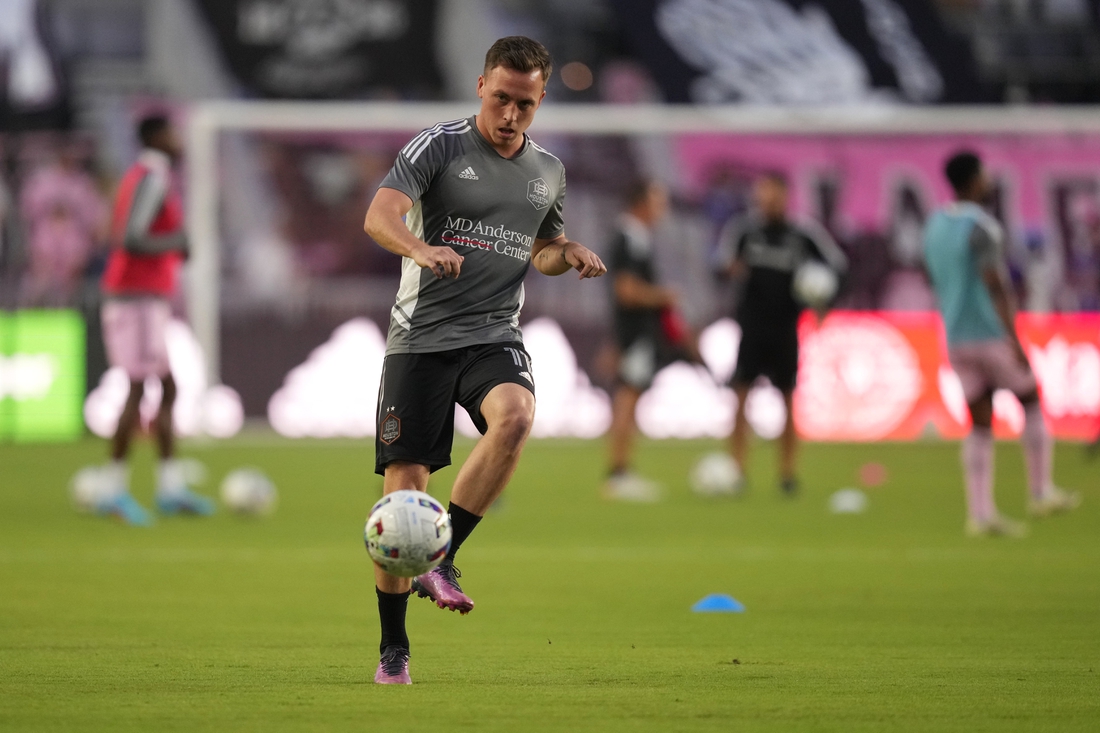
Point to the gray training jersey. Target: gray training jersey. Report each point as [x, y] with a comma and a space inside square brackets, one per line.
[487, 208]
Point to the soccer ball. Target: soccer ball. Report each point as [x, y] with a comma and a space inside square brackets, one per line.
[88, 487]
[408, 533]
[815, 284]
[848, 501]
[248, 491]
[716, 474]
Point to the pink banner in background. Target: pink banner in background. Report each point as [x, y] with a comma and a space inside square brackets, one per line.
[868, 168]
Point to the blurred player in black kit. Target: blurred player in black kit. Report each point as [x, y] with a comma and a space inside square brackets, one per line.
[642, 309]
[763, 251]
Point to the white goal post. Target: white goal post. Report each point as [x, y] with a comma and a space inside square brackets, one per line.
[206, 121]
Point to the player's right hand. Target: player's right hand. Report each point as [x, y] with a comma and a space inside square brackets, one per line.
[442, 261]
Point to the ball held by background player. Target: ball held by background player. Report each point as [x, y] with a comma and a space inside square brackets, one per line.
[815, 284]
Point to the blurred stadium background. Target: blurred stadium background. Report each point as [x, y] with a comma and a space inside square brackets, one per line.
[295, 109]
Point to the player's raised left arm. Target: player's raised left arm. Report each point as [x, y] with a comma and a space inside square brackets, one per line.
[559, 255]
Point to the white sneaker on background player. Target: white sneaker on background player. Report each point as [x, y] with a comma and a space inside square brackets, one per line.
[115, 499]
[1053, 501]
[174, 496]
[996, 526]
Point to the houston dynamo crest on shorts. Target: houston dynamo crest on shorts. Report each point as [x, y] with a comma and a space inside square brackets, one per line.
[538, 193]
[390, 429]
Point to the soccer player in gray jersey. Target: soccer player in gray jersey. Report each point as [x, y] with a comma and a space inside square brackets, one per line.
[469, 205]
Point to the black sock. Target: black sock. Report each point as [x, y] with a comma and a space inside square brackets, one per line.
[391, 612]
[462, 524]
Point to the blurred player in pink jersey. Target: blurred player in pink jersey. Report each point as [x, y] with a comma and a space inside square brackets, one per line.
[148, 243]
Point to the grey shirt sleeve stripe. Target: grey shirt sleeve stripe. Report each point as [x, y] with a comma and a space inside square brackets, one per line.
[414, 151]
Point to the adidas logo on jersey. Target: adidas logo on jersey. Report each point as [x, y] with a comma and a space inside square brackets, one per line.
[468, 174]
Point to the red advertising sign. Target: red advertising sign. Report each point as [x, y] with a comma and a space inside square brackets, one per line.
[868, 376]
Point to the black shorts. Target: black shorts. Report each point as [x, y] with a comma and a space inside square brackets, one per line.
[418, 392]
[767, 352]
[642, 358]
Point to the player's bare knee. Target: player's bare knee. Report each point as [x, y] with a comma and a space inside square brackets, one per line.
[517, 426]
[512, 428]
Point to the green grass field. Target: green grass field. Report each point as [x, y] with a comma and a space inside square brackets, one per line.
[890, 620]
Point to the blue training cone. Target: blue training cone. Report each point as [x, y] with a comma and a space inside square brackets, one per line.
[718, 603]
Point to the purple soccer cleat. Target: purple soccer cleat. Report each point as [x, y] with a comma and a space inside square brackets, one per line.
[441, 585]
[393, 667]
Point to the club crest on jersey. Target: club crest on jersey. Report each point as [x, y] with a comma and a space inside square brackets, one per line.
[538, 193]
[390, 430]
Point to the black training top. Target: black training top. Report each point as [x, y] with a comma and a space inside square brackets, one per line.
[773, 251]
[631, 251]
